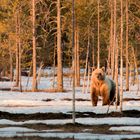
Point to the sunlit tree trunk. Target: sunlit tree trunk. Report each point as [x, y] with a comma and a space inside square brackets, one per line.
[93, 52]
[19, 46]
[77, 64]
[136, 68]
[121, 59]
[111, 48]
[17, 51]
[114, 39]
[87, 56]
[98, 55]
[34, 82]
[54, 61]
[73, 59]
[116, 71]
[59, 50]
[127, 66]
[108, 60]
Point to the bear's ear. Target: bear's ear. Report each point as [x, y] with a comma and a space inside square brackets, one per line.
[103, 69]
[93, 68]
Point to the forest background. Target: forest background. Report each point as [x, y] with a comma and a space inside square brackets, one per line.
[92, 28]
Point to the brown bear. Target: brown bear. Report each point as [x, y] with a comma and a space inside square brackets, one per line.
[102, 86]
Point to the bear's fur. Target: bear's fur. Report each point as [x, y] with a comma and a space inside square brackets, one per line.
[102, 86]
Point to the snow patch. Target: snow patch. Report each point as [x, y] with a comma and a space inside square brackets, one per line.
[126, 128]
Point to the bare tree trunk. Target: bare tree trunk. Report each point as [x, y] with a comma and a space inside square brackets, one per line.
[34, 82]
[59, 50]
[127, 67]
[11, 62]
[87, 55]
[88, 79]
[73, 59]
[108, 60]
[136, 67]
[114, 35]
[98, 55]
[75, 52]
[111, 40]
[54, 63]
[20, 85]
[39, 73]
[131, 68]
[78, 61]
[77, 64]
[116, 71]
[93, 54]
[121, 59]
[19, 45]
[11, 65]
[17, 53]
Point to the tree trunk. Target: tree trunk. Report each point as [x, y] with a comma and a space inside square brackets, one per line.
[116, 71]
[59, 51]
[17, 53]
[127, 67]
[78, 61]
[77, 64]
[73, 59]
[11, 65]
[34, 82]
[19, 46]
[87, 55]
[121, 59]
[114, 38]
[136, 67]
[93, 53]
[108, 60]
[54, 63]
[111, 48]
[98, 55]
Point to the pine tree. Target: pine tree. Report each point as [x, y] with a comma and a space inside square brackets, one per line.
[34, 81]
[127, 66]
[121, 59]
[59, 50]
[98, 55]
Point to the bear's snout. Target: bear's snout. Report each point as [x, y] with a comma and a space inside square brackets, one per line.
[100, 76]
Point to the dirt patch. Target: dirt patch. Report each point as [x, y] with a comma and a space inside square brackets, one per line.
[77, 99]
[69, 128]
[48, 100]
[41, 138]
[45, 116]
[131, 99]
[75, 128]
[31, 138]
[35, 116]
[5, 89]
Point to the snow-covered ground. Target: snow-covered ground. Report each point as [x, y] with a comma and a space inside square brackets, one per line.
[45, 102]
[28, 102]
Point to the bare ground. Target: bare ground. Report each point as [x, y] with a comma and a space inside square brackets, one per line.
[76, 128]
[45, 116]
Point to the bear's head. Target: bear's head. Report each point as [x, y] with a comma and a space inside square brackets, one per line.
[99, 74]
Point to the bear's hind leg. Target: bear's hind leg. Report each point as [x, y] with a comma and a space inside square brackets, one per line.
[105, 102]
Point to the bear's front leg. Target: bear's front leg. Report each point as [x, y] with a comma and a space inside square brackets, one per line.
[94, 97]
[105, 96]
